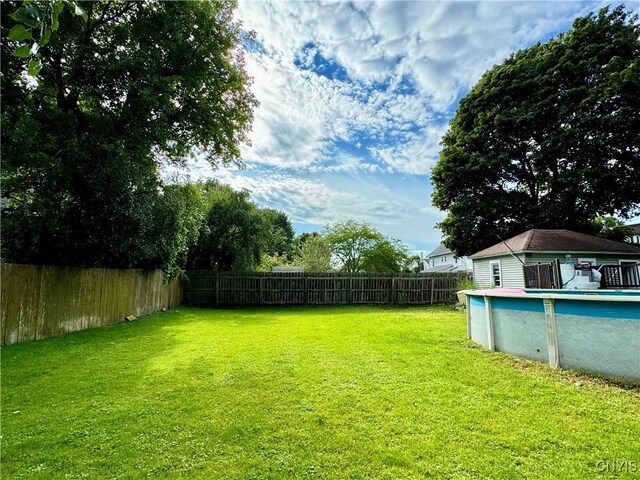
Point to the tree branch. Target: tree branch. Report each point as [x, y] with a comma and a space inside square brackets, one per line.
[104, 19]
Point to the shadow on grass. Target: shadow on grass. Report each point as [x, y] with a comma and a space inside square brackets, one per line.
[575, 377]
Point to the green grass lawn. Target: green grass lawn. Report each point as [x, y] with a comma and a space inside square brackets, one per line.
[351, 392]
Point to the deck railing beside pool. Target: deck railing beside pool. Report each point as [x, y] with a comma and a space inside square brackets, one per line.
[620, 276]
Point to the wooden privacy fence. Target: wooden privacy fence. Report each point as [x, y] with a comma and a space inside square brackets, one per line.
[39, 302]
[204, 287]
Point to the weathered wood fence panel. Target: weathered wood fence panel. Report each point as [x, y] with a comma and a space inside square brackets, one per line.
[40, 301]
[542, 275]
[204, 287]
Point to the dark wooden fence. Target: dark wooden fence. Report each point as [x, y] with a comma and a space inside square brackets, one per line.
[620, 276]
[204, 287]
[543, 275]
[39, 302]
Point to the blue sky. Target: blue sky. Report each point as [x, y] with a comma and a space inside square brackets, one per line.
[355, 97]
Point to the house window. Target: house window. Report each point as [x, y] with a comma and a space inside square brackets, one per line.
[496, 273]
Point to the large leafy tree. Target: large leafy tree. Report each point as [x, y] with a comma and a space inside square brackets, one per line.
[548, 139]
[314, 253]
[357, 246]
[387, 256]
[171, 226]
[123, 89]
[278, 234]
[230, 236]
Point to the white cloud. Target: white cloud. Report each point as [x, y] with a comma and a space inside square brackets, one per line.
[331, 141]
[442, 46]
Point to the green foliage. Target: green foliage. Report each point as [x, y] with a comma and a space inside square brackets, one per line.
[35, 21]
[410, 259]
[359, 247]
[278, 233]
[299, 240]
[268, 261]
[350, 241]
[466, 284]
[548, 139]
[279, 393]
[172, 227]
[386, 256]
[314, 253]
[237, 235]
[132, 88]
[611, 228]
[230, 236]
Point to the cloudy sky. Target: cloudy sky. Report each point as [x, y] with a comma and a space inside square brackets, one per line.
[355, 97]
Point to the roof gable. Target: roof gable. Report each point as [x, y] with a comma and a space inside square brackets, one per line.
[439, 250]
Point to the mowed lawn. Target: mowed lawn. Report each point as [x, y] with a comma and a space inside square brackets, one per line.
[344, 392]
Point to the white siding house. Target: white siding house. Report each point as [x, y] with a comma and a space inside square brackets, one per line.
[441, 259]
[635, 238]
[501, 264]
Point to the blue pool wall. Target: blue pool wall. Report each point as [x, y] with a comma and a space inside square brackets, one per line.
[586, 331]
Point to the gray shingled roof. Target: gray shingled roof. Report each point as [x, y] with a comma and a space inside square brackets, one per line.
[439, 250]
[538, 240]
[440, 268]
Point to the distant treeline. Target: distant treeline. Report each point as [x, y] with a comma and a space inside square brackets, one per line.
[197, 225]
[203, 225]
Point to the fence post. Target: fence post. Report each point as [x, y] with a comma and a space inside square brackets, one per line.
[306, 291]
[349, 292]
[217, 290]
[433, 288]
[260, 295]
[393, 290]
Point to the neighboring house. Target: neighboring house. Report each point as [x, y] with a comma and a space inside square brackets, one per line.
[443, 260]
[415, 264]
[501, 264]
[635, 238]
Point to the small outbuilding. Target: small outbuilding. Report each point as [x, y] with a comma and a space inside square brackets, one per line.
[501, 264]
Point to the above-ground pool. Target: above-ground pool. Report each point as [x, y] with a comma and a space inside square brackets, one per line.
[590, 330]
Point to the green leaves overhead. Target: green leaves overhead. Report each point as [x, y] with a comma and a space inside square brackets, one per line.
[22, 52]
[18, 33]
[117, 99]
[548, 139]
[34, 67]
[42, 18]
